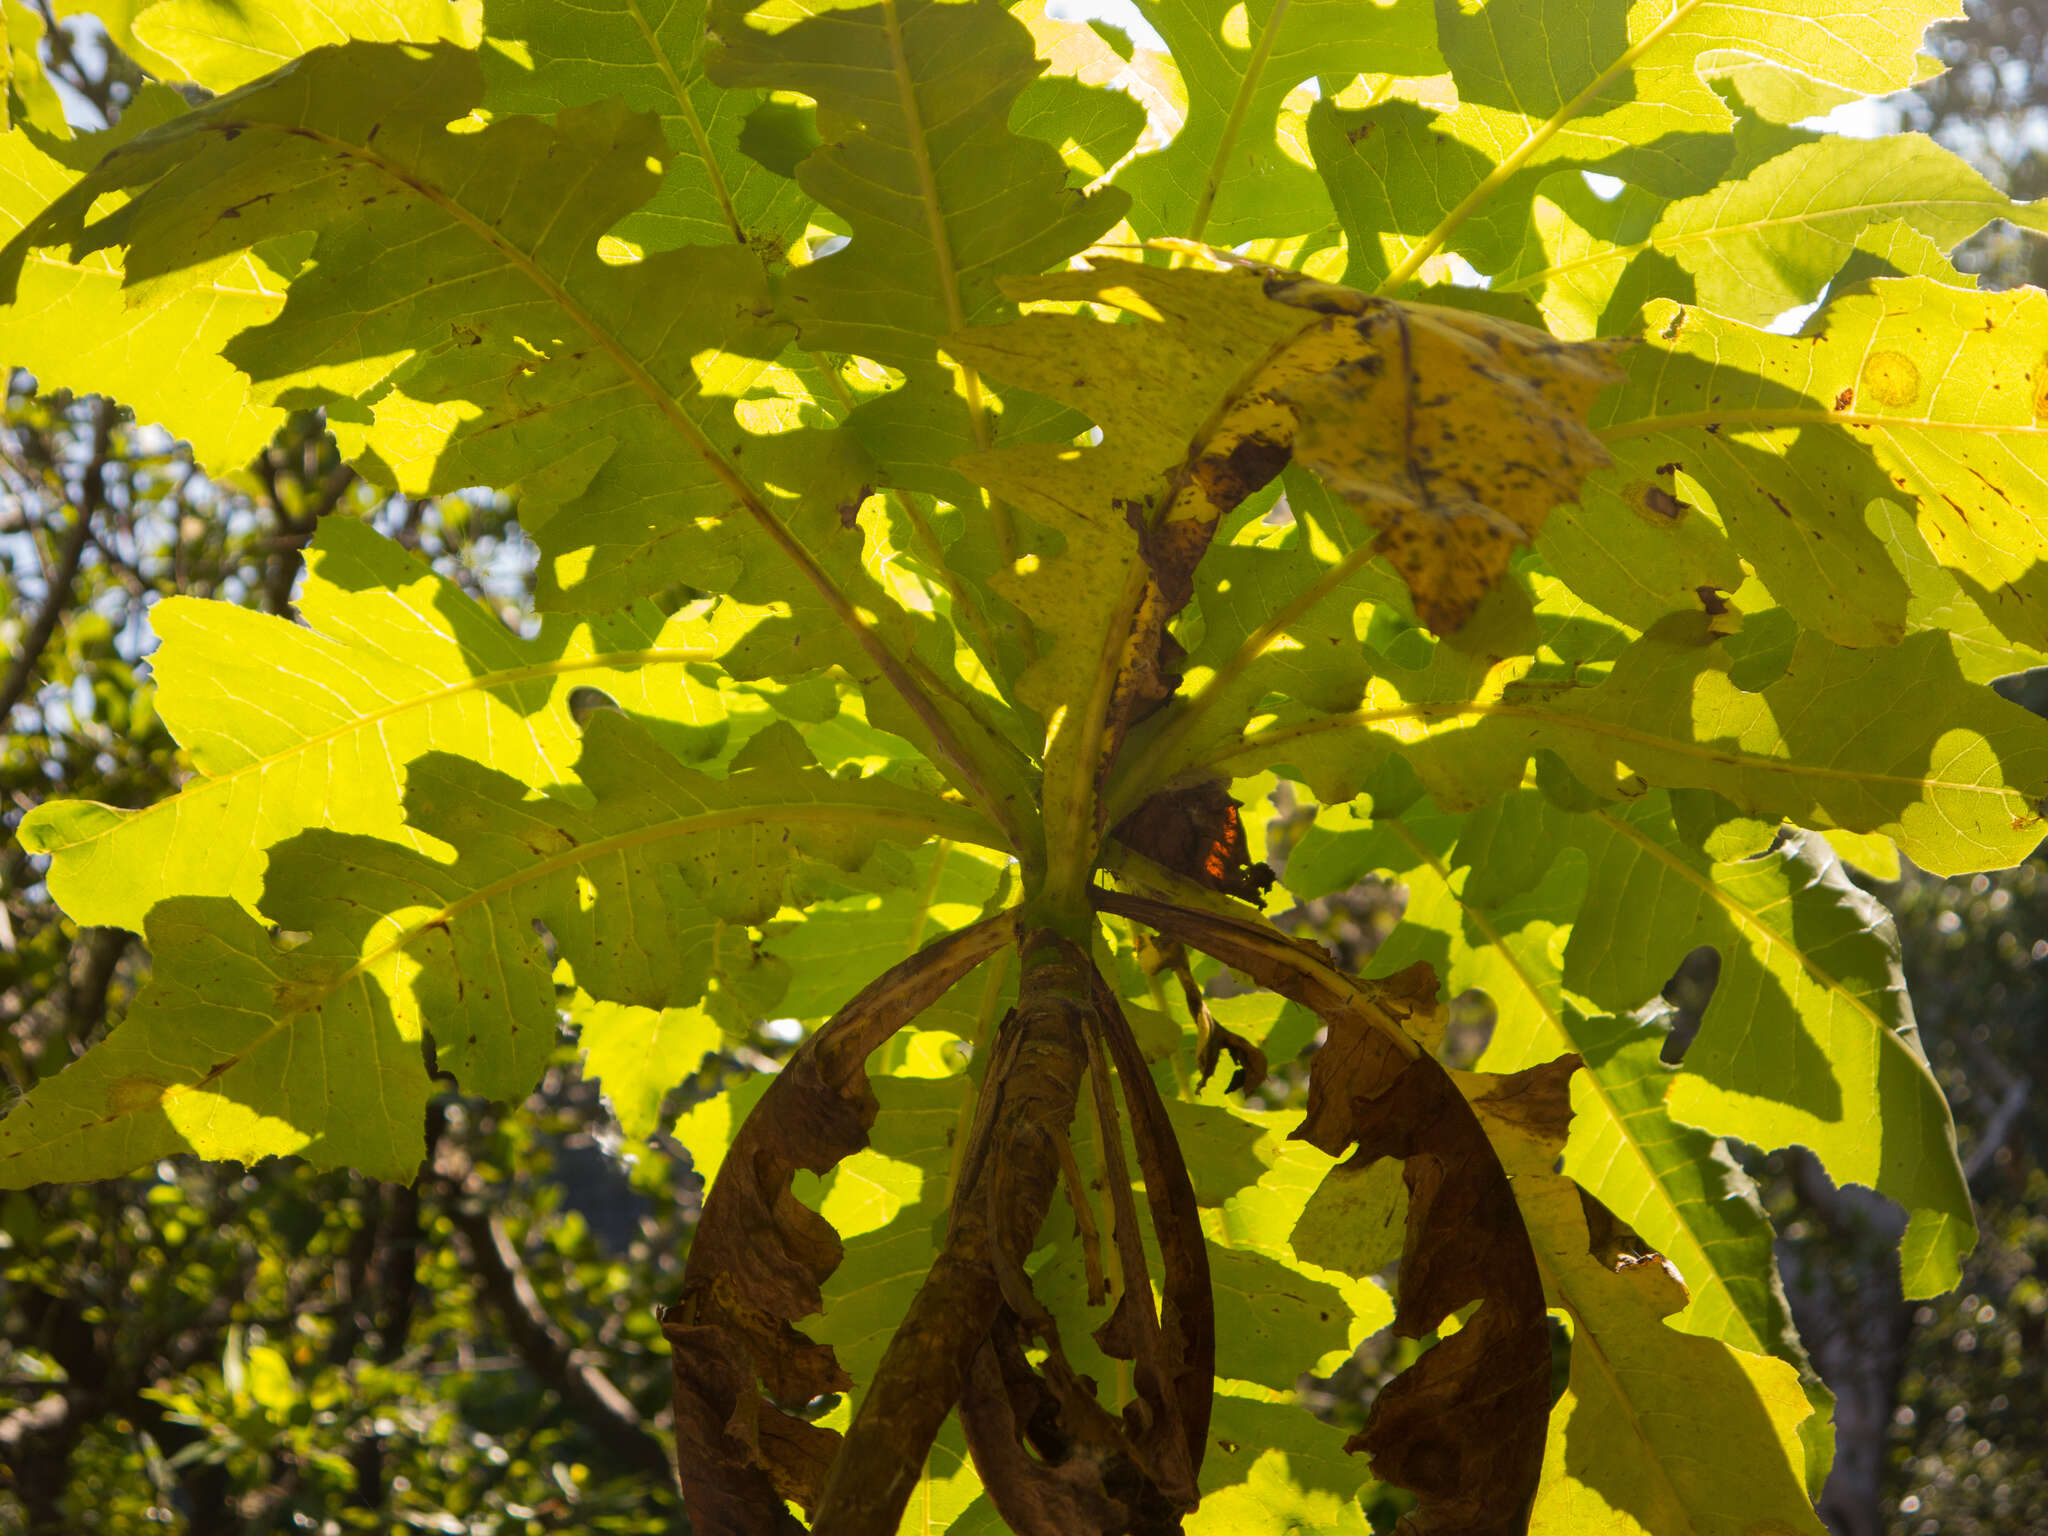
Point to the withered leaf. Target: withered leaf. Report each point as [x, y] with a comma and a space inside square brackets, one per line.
[760, 1254]
[1454, 434]
[1137, 1473]
[1464, 1427]
[1011, 1164]
[1177, 1381]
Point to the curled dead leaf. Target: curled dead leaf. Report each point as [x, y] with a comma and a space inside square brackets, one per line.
[1009, 1170]
[1464, 1427]
[760, 1255]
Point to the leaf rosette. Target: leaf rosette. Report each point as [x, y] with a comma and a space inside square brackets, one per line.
[935, 586]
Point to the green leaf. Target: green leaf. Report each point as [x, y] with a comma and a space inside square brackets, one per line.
[24, 89]
[1756, 247]
[1230, 174]
[1491, 904]
[543, 57]
[158, 352]
[1952, 784]
[1809, 1038]
[1913, 391]
[625, 889]
[1658, 1431]
[931, 88]
[636, 1055]
[883, 1265]
[1272, 1321]
[1274, 1469]
[508, 350]
[221, 46]
[293, 726]
[236, 1051]
[1084, 105]
[834, 951]
[1627, 91]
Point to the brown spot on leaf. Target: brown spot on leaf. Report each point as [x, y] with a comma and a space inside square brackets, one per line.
[133, 1094]
[1661, 505]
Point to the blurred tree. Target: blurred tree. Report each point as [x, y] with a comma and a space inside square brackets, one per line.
[1988, 108]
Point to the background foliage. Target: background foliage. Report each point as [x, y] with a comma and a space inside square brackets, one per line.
[477, 1350]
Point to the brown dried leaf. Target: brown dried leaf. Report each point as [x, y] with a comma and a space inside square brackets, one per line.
[760, 1255]
[1011, 1165]
[1463, 1427]
[1176, 1360]
[1139, 1473]
[1671, 1431]
[1061, 1490]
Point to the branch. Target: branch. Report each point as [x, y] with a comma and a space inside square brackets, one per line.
[547, 1350]
[1998, 1127]
[57, 598]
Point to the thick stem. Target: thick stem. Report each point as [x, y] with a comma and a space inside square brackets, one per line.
[760, 1256]
[1013, 1162]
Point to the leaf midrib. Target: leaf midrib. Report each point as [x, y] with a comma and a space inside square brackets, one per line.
[687, 111]
[1750, 921]
[1233, 123]
[1522, 153]
[965, 828]
[1474, 708]
[1624, 1126]
[1712, 232]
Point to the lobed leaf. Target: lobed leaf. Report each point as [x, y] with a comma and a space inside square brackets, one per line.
[1914, 393]
[159, 352]
[1761, 243]
[1625, 90]
[628, 889]
[1658, 1431]
[544, 58]
[293, 726]
[1228, 175]
[925, 91]
[1950, 782]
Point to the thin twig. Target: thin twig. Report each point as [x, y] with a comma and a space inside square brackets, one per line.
[57, 597]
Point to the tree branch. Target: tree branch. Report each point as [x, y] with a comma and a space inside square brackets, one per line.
[92, 492]
[547, 1350]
